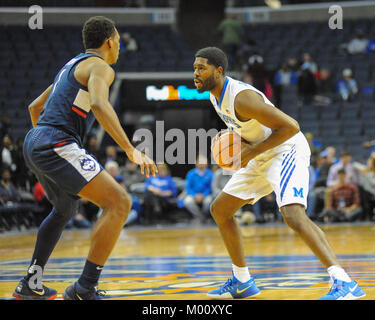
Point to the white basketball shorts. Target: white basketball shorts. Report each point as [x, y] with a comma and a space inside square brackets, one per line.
[283, 169]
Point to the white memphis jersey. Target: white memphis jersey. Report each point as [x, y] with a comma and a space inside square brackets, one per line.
[252, 131]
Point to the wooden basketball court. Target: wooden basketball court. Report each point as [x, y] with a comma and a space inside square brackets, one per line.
[186, 262]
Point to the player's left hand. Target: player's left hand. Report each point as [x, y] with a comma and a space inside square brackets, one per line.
[147, 165]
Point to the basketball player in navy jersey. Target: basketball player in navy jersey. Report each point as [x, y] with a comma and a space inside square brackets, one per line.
[61, 117]
[275, 159]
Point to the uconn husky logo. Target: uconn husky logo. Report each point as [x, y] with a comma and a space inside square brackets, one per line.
[298, 193]
[87, 163]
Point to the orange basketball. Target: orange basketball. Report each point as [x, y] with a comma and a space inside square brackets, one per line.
[226, 147]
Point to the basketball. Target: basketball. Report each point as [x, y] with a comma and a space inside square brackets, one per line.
[226, 148]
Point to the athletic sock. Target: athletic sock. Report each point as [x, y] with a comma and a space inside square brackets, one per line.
[90, 275]
[241, 273]
[338, 273]
[48, 235]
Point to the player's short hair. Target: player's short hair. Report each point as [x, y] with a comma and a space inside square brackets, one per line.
[96, 30]
[214, 56]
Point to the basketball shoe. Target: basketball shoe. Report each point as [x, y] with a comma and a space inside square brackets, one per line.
[342, 290]
[77, 292]
[234, 289]
[24, 292]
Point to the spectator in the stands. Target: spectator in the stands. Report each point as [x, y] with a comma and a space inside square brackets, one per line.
[347, 86]
[258, 72]
[309, 63]
[306, 84]
[131, 173]
[346, 164]
[325, 83]
[325, 88]
[110, 154]
[7, 153]
[344, 203]
[231, 31]
[283, 78]
[358, 44]
[160, 196]
[293, 65]
[8, 192]
[315, 145]
[324, 163]
[311, 197]
[366, 182]
[266, 209]
[23, 177]
[199, 189]
[128, 43]
[369, 144]
[113, 168]
[332, 154]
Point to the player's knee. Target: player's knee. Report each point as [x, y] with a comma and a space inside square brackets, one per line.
[63, 210]
[216, 212]
[125, 202]
[294, 216]
[119, 204]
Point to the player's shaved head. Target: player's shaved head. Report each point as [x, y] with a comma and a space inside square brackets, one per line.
[214, 56]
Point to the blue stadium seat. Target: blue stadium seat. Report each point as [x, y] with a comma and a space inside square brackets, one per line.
[312, 127]
[330, 128]
[334, 140]
[368, 113]
[351, 131]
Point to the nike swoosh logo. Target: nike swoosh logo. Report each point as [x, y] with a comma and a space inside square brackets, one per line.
[240, 291]
[99, 268]
[79, 296]
[352, 290]
[39, 292]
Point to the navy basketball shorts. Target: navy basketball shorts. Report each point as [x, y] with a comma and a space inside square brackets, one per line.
[57, 160]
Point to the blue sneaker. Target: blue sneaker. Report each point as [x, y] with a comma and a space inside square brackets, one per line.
[234, 289]
[342, 290]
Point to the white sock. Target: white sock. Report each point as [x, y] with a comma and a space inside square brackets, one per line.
[241, 273]
[338, 273]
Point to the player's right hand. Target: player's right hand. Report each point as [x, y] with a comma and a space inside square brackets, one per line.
[146, 164]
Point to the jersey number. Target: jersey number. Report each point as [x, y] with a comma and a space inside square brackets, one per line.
[54, 87]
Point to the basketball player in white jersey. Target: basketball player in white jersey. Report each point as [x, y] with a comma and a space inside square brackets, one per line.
[276, 158]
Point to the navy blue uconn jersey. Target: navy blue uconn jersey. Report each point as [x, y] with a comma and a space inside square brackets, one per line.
[68, 104]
